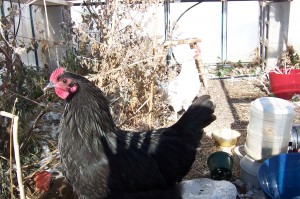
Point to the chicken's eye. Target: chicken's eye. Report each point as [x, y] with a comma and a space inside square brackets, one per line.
[64, 81]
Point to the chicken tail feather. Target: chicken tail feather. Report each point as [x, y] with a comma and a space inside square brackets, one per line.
[199, 114]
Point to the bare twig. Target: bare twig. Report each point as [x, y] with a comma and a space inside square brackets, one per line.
[47, 21]
[277, 71]
[135, 113]
[113, 22]
[30, 2]
[264, 86]
[29, 133]
[150, 105]
[132, 64]
[25, 97]
[142, 106]
[4, 158]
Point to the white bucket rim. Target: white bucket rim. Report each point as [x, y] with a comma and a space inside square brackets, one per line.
[273, 106]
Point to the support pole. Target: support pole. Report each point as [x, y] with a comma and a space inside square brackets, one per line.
[224, 32]
[167, 28]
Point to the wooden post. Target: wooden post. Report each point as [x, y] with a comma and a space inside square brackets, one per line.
[198, 61]
[152, 77]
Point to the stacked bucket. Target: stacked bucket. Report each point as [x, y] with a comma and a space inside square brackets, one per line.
[268, 134]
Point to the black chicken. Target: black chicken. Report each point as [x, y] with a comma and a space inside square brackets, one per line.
[103, 161]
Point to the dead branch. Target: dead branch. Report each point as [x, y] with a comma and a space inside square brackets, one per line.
[29, 132]
[24, 97]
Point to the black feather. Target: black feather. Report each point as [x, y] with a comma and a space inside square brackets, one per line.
[102, 161]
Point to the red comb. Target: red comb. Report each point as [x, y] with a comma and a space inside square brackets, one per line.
[56, 73]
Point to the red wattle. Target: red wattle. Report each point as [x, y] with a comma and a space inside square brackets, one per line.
[61, 93]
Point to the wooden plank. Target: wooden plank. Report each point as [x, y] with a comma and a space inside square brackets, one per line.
[181, 41]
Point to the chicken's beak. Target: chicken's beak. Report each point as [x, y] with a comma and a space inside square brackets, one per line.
[50, 85]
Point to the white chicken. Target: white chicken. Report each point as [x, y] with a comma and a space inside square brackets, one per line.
[182, 90]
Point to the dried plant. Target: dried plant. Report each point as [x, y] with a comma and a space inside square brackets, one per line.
[116, 45]
[113, 43]
[16, 79]
[289, 59]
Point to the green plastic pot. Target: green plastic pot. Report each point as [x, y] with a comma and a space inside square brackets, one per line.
[220, 165]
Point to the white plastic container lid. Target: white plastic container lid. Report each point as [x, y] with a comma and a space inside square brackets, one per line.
[250, 165]
[273, 105]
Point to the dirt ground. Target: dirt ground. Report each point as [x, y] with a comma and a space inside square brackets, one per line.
[232, 98]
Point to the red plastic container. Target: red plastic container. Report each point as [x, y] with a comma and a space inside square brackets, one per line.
[285, 85]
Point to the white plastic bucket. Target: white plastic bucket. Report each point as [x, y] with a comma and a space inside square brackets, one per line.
[259, 148]
[269, 128]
